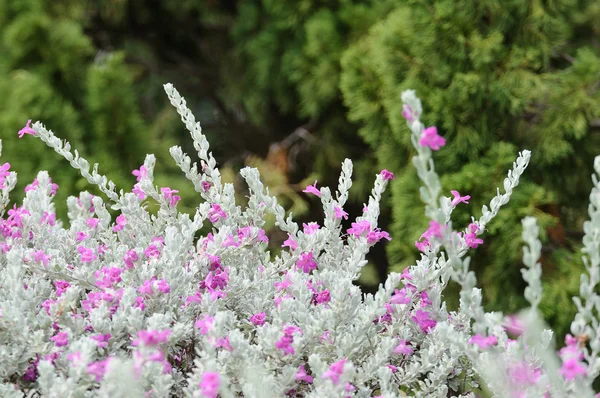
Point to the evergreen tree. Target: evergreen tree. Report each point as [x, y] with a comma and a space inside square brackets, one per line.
[496, 77]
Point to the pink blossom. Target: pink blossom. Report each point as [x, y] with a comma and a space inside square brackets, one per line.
[458, 199]
[151, 337]
[139, 192]
[387, 175]
[571, 368]
[81, 236]
[130, 257]
[204, 324]
[61, 339]
[312, 189]
[513, 325]
[92, 222]
[306, 262]
[422, 319]
[483, 342]
[101, 339]
[290, 242]
[49, 218]
[121, 222]
[431, 139]
[98, 369]
[163, 286]
[285, 343]
[471, 238]
[26, 130]
[87, 255]
[310, 228]
[322, 297]
[108, 276]
[216, 213]
[399, 297]
[258, 319]
[3, 174]
[325, 338]
[139, 303]
[284, 284]
[358, 228]
[376, 235]
[339, 213]
[230, 241]
[403, 348]
[223, 343]
[141, 173]
[301, 375]
[206, 185]
[61, 287]
[335, 371]
[209, 385]
[407, 113]
[41, 257]
[169, 194]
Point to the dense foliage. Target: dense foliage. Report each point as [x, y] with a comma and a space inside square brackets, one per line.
[294, 87]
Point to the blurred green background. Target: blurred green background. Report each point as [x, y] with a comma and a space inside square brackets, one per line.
[295, 86]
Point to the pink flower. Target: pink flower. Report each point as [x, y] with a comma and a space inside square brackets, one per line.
[26, 130]
[339, 213]
[3, 174]
[376, 235]
[130, 257]
[387, 175]
[471, 238]
[483, 342]
[422, 319]
[92, 222]
[335, 371]
[407, 113]
[310, 228]
[290, 242]
[137, 190]
[403, 348]
[49, 218]
[101, 339]
[87, 255]
[121, 222]
[513, 325]
[98, 369]
[285, 343]
[284, 284]
[322, 297]
[306, 262]
[141, 173]
[431, 139]
[169, 194]
[571, 368]
[204, 324]
[206, 185]
[61, 339]
[230, 241]
[399, 297]
[216, 213]
[312, 189]
[61, 287]
[258, 319]
[163, 286]
[41, 257]
[358, 228]
[223, 343]
[458, 199]
[209, 385]
[301, 375]
[151, 337]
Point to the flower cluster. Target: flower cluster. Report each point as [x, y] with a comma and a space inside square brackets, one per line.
[139, 306]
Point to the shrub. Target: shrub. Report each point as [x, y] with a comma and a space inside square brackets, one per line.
[140, 307]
